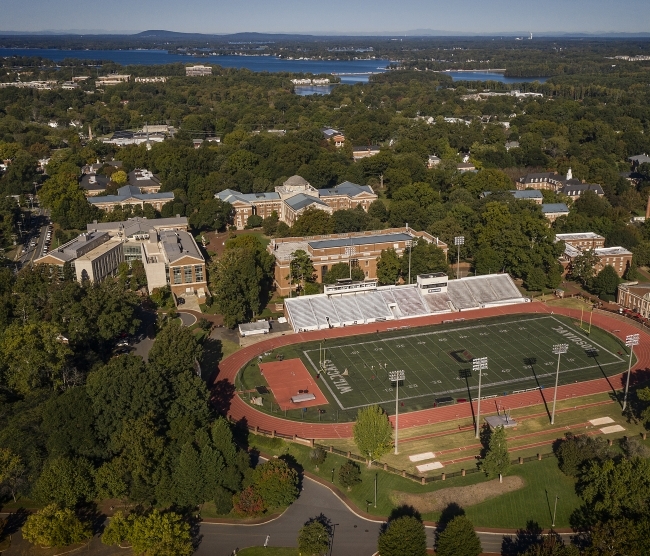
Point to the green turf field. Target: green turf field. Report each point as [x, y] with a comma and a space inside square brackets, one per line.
[438, 361]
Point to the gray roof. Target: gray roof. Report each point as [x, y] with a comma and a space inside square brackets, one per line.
[554, 207]
[360, 240]
[301, 201]
[252, 326]
[131, 192]
[330, 132]
[544, 176]
[347, 189]
[177, 244]
[143, 178]
[94, 182]
[79, 246]
[570, 187]
[512, 144]
[296, 180]
[137, 225]
[527, 194]
[640, 158]
[230, 196]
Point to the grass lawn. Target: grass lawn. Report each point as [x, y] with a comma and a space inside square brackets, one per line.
[270, 551]
[510, 510]
[438, 359]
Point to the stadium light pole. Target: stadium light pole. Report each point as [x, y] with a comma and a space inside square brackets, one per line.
[458, 241]
[559, 349]
[630, 341]
[396, 376]
[478, 364]
[410, 248]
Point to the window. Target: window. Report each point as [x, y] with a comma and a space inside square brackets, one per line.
[177, 275]
[198, 273]
[367, 263]
[188, 274]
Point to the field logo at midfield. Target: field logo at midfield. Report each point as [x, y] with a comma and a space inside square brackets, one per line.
[337, 379]
[461, 355]
[574, 338]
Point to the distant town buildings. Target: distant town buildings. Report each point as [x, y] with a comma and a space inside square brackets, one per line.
[198, 71]
[113, 79]
[359, 249]
[364, 152]
[295, 196]
[150, 79]
[318, 82]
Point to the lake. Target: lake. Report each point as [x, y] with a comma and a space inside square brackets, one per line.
[350, 71]
[489, 76]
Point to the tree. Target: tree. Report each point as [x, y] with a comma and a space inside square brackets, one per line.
[55, 527]
[425, 258]
[373, 433]
[313, 538]
[496, 461]
[487, 261]
[34, 355]
[276, 483]
[248, 502]
[458, 539]
[404, 535]
[270, 223]
[341, 271]
[574, 450]
[119, 178]
[606, 283]
[349, 474]
[151, 534]
[175, 349]
[582, 267]
[11, 471]
[301, 269]
[254, 221]
[313, 222]
[388, 267]
[65, 481]
[317, 456]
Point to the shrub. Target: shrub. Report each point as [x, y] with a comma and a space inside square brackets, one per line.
[350, 474]
[317, 456]
[222, 500]
[55, 527]
[248, 502]
[276, 483]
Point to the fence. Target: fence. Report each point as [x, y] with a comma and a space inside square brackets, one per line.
[384, 466]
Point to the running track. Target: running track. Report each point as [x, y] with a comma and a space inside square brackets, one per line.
[239, 409]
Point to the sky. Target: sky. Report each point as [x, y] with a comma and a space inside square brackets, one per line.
[328, 16]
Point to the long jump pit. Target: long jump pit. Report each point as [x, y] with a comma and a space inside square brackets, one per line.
[287, 378]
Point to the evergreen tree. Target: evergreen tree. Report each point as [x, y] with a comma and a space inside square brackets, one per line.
[313, 538]
[497, 460]
[458, 539]
[404, 535]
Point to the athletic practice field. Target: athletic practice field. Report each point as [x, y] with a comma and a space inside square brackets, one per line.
[437, 361]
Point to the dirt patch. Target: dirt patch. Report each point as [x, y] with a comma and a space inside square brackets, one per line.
[463, 496]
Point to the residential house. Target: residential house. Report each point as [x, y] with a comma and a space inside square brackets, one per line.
[465, 167]
[639, 159]
[433, 161]
[364, 152]
[512, 145]
[360, 249]
[333, 135]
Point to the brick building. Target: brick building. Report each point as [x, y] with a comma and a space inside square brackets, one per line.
[575, 244]
[360, 249]
[635, 297]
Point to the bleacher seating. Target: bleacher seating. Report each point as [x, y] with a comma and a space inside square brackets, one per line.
[301, 314]
[410, 301]
[347, 309]
[323, 308]
[438, 302]
[388, 295]
[372, 305]
[460, 295]
[481, 290]
[504, 287]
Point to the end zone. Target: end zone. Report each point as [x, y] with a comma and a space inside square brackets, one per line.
[289, 378]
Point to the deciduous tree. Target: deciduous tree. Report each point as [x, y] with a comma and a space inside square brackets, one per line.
[55, 527]
[404, 535]
[373, 433]
[458, 539]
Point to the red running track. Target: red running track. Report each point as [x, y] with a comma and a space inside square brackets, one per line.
[239, 409]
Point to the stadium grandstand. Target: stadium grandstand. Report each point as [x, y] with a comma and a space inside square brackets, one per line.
[347, 303]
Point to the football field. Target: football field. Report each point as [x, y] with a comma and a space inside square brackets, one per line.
[437, 361]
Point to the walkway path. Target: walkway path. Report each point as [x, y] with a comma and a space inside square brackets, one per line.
[239, 409]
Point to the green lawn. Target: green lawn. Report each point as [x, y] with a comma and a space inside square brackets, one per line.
[511, 510]
[438, 360]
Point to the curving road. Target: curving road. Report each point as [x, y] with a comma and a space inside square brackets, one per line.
[239, 409]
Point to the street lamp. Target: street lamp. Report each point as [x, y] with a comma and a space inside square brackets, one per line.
[630, 341]
[478, 364]
[559, 349]
[458, 241]
[396, 376]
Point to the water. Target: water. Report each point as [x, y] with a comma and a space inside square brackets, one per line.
[354, 71]
[490, 76]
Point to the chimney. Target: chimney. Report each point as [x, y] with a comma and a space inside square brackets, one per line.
[569, 174]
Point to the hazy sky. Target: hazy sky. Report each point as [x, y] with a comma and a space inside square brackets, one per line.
[328, 16]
